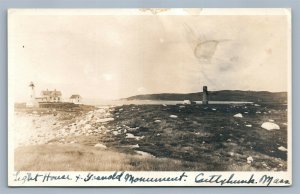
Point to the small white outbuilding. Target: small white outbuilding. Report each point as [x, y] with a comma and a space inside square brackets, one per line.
[76, 99]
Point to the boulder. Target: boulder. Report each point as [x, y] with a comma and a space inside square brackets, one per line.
[239, 115]
[115, 133]
[129, 135]
[250, 160]
[187, 102]
[281, 148]
[134, 146]
[99, 145]
[270, 126]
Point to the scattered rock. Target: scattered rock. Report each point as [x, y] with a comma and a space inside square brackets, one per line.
[134, 146]
[239, 115]
[230, 154]
[173, 116]
[129, 135]
[281, 148]
[213, 109]
[248, 125]
[87, 126]
[139, 138]
[187, 102]
[271, 120]
[264, 164]
[157, 121]
[270, 126]
[105, 120]
[115, 132]
[250, 160]
[99, 145]
[132, 128]
[145, 154]
[72, 130]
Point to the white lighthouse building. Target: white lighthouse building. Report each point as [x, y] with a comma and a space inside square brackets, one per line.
[32, 101]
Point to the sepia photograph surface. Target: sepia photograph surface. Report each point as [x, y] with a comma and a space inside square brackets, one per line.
[149, 97]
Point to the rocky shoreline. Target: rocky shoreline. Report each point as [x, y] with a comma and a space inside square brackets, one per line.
[38, 127]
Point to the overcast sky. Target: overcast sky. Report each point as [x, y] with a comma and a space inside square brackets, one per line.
[110, 57]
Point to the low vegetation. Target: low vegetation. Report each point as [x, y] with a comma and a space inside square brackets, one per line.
[180, 137]
[86, 158]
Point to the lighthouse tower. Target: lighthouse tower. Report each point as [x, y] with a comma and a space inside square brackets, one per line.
[32, 101]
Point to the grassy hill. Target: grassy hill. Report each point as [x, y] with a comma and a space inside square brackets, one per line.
[222, 95]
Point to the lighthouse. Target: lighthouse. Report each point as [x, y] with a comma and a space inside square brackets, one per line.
[31, 101]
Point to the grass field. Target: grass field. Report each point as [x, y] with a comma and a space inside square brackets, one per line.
[86, 158]
[207, 133]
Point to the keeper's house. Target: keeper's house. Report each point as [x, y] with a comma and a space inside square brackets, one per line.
[50, 96]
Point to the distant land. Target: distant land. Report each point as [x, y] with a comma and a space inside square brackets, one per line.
[222, 95]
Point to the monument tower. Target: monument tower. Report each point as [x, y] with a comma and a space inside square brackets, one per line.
[205, 95]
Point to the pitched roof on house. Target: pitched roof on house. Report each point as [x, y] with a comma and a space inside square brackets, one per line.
[51, 93]
[75, 96]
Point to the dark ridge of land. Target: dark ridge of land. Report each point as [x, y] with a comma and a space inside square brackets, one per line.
[222, 95]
